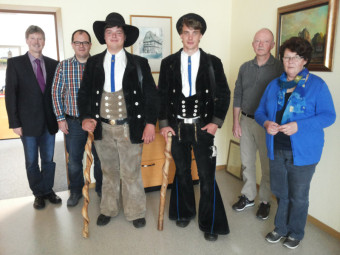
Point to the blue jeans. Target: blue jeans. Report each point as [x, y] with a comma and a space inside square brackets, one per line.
[75, 146]
[290, 184]
[40, 180]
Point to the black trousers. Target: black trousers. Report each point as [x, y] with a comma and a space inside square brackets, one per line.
[211, 214]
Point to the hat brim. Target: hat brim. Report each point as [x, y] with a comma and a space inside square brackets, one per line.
[131, 32]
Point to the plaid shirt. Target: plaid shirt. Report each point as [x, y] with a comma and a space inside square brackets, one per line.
[65, 88]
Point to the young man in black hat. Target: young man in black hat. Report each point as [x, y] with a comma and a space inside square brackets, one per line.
[118, 102]
[194, 102]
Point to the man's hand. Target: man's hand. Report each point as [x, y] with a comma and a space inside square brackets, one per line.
[164, 132]
[271, 127]
[211, 128]
[89, 125]
[237, 131]
[149, 133]
[18, 131]
[62, 125]
[289, 129]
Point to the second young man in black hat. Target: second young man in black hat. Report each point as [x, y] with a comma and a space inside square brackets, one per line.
[118, 102]
[194, 102]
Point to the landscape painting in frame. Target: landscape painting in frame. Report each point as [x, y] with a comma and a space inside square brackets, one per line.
[314, 21]
[154, 41]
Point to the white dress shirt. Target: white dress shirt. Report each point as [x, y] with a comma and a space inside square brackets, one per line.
[120, 65]
[195, 63]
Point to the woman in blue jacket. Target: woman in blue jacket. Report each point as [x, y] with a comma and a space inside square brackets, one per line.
[294, 110]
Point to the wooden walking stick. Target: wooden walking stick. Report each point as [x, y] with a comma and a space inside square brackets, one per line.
[89, 160]
[165, 181]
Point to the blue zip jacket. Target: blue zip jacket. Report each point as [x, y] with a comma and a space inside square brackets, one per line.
[316, 112]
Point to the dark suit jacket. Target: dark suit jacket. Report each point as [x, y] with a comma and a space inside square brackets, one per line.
[27, 106]
[142, 103]
[213, 101]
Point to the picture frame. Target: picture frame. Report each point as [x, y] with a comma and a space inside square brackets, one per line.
[155, 38]
[234, 164]
[314, 20]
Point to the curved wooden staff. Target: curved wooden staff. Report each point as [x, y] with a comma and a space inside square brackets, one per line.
[165, 181]
[89, 160]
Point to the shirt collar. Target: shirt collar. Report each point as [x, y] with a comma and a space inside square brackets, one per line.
[120, 54]
[270, 61]
[195, 55]
[75, 60]
[32, 58]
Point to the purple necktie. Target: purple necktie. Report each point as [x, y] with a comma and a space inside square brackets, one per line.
[40, 76]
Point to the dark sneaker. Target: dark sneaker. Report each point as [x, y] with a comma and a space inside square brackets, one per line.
[291, 242]
[74, 199]
[242, 203]
[273, 237]
[263, 211]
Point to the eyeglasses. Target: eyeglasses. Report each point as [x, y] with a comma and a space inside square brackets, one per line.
[296, 58]
[76, 43]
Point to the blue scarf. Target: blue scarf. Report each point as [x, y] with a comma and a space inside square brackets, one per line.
[296, 102]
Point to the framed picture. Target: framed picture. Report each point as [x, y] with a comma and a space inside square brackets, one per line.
[314, 20]
[155, 38]
[234, 165]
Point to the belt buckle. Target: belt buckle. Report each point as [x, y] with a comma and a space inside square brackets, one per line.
[187, 121]
[112, 122]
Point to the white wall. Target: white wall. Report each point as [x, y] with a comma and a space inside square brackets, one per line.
[231, 26]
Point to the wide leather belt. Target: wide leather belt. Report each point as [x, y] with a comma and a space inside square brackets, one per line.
[114, 122]
[248, 115]
[189, 121]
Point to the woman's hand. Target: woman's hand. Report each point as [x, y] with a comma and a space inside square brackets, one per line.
[271, 127]
[289, 129]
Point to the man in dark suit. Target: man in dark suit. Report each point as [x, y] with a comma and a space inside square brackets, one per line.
[30, 114]
[118, 101]
[194, 102]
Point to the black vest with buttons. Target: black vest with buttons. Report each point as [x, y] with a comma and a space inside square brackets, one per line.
[189, 107]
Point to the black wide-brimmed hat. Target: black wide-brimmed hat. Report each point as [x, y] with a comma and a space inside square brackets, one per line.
[115, 19]
[193, 16]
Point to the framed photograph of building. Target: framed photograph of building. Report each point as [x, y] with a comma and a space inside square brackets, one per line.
[314, 20]
[155, 38]
[234, 165]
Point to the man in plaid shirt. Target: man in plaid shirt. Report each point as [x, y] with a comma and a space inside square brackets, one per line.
[65, 87]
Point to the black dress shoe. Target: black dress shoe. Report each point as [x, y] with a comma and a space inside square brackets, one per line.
[53, 198]
[210, 236]
[39, 203]
[182, 223]
[139, 223]
[103, 220]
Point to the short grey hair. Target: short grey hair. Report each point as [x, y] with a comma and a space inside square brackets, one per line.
[34, 29]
